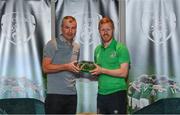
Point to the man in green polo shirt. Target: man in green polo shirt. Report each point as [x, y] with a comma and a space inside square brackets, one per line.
[112, 66]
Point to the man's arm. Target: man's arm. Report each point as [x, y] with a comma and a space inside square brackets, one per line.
[49, 67]
[121, 72]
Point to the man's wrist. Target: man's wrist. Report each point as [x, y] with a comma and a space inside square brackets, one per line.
[101, 70]
[66, 66]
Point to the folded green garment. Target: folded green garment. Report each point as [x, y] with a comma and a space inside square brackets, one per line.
[86, 66]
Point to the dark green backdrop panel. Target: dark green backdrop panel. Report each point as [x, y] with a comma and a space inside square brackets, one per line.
[21, 106]
[163, 106]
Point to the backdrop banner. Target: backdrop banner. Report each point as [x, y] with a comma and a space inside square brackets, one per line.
[152, 31]
[25, 28]
[88, 13]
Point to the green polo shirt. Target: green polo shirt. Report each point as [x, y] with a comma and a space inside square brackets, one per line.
[111, 58]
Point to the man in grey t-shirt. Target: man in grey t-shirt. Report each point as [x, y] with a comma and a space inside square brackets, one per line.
[61, 72]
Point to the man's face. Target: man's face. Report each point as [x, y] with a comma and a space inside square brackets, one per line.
[106, 32]
[69, 29]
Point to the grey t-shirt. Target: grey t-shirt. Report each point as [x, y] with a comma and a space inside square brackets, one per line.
[61, 82]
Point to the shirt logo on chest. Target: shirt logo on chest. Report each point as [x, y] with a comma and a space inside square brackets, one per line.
[113, 54]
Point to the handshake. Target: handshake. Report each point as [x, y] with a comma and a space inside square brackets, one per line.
[85, 66]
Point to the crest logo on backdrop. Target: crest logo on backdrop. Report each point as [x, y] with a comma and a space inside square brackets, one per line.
[87, 34]
[158, 28]
[18, 28]
[89, 30]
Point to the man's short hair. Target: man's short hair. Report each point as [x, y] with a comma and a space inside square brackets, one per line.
[70, 18]
[105, 20]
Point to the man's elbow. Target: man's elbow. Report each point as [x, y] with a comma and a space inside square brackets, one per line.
[124, 74]
[45, 70]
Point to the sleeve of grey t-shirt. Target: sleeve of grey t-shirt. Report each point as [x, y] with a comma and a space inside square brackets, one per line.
[49, 50]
